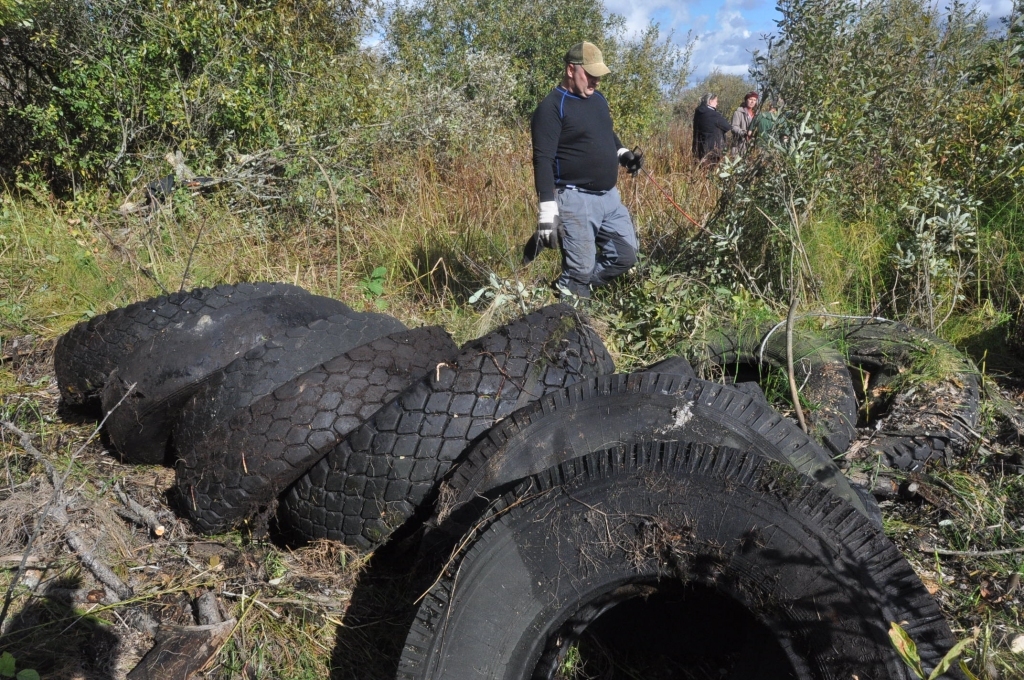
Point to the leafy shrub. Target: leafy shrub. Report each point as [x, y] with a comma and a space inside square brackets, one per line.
[88, 84]
[522, 44]
[896, 115]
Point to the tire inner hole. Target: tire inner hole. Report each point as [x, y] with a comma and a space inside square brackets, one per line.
[871, 385]
[679, 631]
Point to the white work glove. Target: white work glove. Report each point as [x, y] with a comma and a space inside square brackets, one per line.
[547, 214]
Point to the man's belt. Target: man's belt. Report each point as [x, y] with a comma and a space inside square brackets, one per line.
[573, 187]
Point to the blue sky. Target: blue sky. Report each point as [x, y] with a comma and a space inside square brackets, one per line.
[727, 31]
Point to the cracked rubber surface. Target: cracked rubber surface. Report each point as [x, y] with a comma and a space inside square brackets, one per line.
[240, 466]
[86, 354]
[932, 420]
[820, 371]
[622, 409]
[626, 523]
[169, 366]
[375, 479]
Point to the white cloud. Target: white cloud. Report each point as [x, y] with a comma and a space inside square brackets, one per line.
[726, 31]
[728, 45]
[996, 9]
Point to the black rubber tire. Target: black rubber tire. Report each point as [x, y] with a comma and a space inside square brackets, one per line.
[623, 409]
[374, 480]
[86, 354]
[676, 365]
[820, 371]
[266, 367]
[933, 422]
[168, 367]
[611, 526]
[236, 470]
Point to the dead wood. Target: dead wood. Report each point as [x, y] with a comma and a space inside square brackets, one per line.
[181, 652]
[139, 514]
[208, 610]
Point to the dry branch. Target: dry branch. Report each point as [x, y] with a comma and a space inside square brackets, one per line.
[181, 652]
[793, 391]
[139, 514]
[881, 485]
[26, 443]
[968, 553]
[57, 510]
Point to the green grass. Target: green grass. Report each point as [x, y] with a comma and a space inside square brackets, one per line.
[846, 259]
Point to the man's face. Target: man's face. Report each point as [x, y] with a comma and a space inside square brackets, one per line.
[581, 83]
[713, 102]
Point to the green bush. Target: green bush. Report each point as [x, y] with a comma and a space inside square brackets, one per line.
[478, 45]
[89, 84]
[901, 123]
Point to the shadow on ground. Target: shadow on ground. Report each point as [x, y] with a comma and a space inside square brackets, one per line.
[51, 637]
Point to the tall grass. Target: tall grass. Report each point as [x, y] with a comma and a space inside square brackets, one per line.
[1001, 255]
[846, 259]
[441, 226]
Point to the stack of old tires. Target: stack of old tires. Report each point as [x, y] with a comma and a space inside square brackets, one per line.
[560, 513]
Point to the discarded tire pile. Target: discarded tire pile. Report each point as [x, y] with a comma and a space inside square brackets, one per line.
[250, 390]
[558, 511]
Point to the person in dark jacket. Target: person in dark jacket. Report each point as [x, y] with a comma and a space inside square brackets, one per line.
[576, 158]
[709, 128]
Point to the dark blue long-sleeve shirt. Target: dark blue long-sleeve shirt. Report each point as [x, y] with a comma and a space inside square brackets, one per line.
[573, 143]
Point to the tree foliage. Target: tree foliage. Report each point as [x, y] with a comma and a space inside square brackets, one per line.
[87, 83]
[896, 115]
[526, 41]
[91, 89]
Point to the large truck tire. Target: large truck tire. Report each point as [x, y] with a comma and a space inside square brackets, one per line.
[777, 576]
[820, 371]
[374, 480]
[236, 469]
[933, 418]
[623, 409]
[169, 366]
[86, 354]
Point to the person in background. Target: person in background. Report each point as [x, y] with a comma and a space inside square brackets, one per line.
[709, 128]
[766, 119]
[576, 157]
[742, 119]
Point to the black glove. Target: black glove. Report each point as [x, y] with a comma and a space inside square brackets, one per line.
[546, 236]
[632, 161]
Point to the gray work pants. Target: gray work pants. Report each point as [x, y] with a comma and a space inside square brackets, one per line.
[598, 239]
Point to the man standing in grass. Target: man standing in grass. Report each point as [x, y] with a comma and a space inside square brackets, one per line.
[576, 155]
